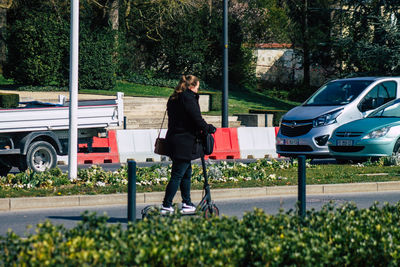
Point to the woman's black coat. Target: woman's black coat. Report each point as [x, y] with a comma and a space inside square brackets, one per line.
[185, 126]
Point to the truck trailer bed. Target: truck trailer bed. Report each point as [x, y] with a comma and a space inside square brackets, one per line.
[39, 116]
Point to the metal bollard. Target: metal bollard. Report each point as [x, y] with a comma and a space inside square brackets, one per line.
[124, 122]
[302, 185]
[131, 191]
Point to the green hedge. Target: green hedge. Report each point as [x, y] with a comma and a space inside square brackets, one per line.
[278, 114]
[342, 236]
[215, 99]
[38, 46]
[9, 100]
[150, 78]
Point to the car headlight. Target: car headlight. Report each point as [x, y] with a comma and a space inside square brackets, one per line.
[377, 133]
[327, 119]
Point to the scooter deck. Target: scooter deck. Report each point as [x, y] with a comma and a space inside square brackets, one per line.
[187, 213]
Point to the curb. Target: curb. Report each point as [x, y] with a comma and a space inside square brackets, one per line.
[24, 203]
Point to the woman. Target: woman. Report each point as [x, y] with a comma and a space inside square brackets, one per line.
[185, 129]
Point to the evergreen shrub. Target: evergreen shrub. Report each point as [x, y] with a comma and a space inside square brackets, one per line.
[9, 100]
[96, 64]
[39, 49]
[215, 100]
[37, 44]
[334, 236]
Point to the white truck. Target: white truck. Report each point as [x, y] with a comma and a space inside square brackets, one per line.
[32, 135]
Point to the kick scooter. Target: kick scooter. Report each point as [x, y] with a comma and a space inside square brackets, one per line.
[206, 205]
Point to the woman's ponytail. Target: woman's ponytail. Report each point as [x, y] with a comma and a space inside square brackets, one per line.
[184, 83]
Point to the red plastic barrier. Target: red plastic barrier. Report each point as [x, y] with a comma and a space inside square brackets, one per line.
[276, 131]
[98, 158]
[226, 144]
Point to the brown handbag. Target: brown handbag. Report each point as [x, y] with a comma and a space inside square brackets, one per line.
[161, 146]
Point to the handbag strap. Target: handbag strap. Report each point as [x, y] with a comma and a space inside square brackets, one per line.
[162, 123]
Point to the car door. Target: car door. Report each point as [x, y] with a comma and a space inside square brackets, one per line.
[377, 96]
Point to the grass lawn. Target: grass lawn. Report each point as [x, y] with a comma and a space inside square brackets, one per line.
[133, 89]
[239, 101]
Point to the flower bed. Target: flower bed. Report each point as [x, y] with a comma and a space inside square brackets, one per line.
[95, 176]
[221, 175]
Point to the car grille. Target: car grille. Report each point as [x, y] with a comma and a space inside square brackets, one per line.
[295, 128]
[346, 148]
[295, 148]
[348, 134]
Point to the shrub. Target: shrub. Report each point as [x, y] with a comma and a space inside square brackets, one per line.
[277, 117]
[153, 79]
[215, 99]
[38, 46]
[96, 64]
[9, 100]
[277, 114]
[333, 236]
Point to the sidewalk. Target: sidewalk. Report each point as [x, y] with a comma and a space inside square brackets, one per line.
[13, 204]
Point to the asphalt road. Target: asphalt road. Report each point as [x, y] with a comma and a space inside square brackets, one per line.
[69, 217]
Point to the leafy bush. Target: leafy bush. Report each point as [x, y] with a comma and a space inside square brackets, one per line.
[215, 99]
[9, 100]
[340, 236]
[38, 46]
[277, 114]
[150, 78]
[96, 63]
[277, 117]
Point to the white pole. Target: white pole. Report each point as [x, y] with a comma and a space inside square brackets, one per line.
[73, 90]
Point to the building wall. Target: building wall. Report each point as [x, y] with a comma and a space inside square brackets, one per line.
[283, 65]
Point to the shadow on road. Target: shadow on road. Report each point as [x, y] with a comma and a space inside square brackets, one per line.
[79, 218]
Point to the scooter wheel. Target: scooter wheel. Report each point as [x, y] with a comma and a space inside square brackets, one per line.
[210, 211]
[150, 211]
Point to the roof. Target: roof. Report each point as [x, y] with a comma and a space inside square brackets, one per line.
[273, 45]
[369, 78]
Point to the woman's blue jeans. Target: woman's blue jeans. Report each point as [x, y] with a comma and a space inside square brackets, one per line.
[181, 175]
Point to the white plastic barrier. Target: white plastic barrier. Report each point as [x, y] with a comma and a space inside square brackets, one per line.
[257, 142]
[138, 145]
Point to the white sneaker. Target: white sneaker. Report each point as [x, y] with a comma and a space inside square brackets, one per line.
[166, 210]
[188, 208]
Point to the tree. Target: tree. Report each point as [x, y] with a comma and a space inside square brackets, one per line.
[262, 21]
[369, 42]
[310, 27]
[165, 37]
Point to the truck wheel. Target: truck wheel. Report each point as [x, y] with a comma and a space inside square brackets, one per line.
[40, 156]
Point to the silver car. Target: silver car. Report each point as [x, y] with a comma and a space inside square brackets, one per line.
[305, 130]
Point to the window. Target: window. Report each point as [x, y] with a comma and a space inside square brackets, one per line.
[379, 95]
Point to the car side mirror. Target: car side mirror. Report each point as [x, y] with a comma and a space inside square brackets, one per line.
[367, 104]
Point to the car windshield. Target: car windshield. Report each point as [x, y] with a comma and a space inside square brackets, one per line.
[391, 110]
[337, 93]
